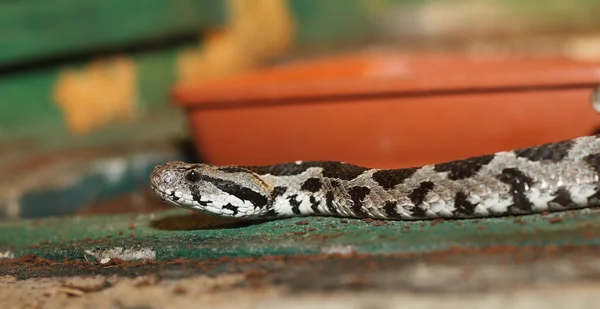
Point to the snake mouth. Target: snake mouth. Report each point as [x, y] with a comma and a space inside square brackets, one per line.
[163, 195]
[180, 201]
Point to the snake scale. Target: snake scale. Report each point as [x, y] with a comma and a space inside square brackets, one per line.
[551, 177]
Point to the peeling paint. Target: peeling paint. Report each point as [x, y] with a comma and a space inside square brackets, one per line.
[340, 250]
[103, 256]
[103, 91]
[7, 254]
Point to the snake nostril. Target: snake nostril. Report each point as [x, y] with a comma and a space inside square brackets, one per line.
[154, 179]
[159, 177]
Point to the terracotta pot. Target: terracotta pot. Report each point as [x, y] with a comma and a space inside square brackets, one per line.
[388, 110]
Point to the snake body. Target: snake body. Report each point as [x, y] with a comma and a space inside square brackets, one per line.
[551, 177]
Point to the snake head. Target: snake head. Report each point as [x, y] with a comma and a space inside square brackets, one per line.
[224, 191]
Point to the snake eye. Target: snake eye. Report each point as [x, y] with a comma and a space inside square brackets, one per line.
[192, 176]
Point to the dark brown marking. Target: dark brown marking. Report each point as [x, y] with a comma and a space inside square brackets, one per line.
[197, 197]
[233, 169]
[330, 196]
[388, 179]
[312, 185]
[295, 204]
[418, 195]
[462, 205]
[278, 191]
[462, 169]
[335, 184]
[357, 194]
[271, 213]
[418, 212]
[550, 152]
[519, 184]
[343, 171]
[232, 208]
[329, 203]
[243, 193]
[331, 169]
[562, 197]
[594, 161]
[390, 209]
[594, 199]
[314, 204]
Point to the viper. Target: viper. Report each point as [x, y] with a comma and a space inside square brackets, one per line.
[552, 177]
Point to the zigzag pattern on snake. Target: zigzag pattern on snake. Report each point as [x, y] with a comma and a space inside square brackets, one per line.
[552, 177]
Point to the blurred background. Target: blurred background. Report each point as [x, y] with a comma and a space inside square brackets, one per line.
[93, 94]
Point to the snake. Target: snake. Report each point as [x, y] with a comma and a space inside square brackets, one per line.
[557, 176]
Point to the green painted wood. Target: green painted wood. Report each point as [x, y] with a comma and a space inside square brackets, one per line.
[29, 113]
[70, 237]
[34, 29]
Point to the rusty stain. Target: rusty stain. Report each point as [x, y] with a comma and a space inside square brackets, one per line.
[555, 220]
[39, 245]
[257, 30]
[381, 223]
[519, 221]
[434, 222]
[101, 92]
[517, 255]
[326, 236]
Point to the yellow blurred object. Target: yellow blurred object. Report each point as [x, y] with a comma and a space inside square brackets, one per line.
[257, 30]
[103, 91]
[584, 48]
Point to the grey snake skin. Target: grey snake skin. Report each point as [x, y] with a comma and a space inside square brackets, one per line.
[552, 177]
